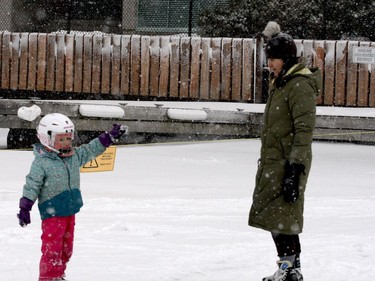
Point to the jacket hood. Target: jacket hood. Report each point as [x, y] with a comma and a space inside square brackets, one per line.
[300, 70]
[40, 151]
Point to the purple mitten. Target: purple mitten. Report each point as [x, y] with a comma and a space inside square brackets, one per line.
[24, 214]
[117, 131]
[107, 138]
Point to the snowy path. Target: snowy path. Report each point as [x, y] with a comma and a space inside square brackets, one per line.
[179, 212]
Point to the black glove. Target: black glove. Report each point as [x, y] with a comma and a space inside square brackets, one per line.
[290, 184]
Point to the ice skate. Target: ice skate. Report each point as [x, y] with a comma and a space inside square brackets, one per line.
[285, 272]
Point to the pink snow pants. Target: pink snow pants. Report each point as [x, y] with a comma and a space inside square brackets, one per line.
[57, 246]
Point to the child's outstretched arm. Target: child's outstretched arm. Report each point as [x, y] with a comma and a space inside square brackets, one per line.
[97, 146]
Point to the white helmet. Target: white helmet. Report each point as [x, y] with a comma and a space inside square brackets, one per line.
[51, 128]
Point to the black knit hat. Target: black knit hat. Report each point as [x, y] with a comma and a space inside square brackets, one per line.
[281, 46]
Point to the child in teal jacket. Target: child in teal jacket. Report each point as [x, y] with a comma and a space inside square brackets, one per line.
[54, 180]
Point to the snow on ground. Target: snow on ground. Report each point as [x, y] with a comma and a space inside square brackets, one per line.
[179, 212]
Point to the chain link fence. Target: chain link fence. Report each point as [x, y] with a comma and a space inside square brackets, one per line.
[5, 14]
[143, 17]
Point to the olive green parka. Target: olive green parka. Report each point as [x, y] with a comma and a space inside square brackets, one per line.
[289, 121]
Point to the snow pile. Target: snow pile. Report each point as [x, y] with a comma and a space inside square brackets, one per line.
[187, 114]
[29, 113]
[101, 111]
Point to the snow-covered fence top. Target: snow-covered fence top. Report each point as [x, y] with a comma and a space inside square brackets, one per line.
[167, 67]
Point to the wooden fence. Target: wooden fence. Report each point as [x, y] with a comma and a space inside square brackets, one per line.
[345, 83]
[219, 69]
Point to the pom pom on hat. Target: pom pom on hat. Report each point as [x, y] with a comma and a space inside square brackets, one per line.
[280, 45]
[272, 28]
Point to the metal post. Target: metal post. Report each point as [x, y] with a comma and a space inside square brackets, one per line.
[69, 16]
[190, 17]
[259, 70]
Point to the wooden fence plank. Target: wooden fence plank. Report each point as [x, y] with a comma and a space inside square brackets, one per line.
[174, 67]
[248, 70]
[372, 82]
[299, 45]
[135, 62]
[60, 63]
[260, 62]
[215, 86]
[32, 57]
[226, 70]
[125, 64]
[352, 76]
[145, 65]
[308, 52]
[363, 81]
[116, 65]
[6, 55]
[154, 66]
[97, 47]
[51, 62]
[14, 67]
[318, 61]
[205, 69]
[24, 49]
[69, 63]
[41, 62]
[340, 72]
[329, 70]
[78, 63]
[87, 63]
[164, 66]
[184, 67]
[106, 65]
[154, 55]
[318, 54]
[236, 69]
[195, 67]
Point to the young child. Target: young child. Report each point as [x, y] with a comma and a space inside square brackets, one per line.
[54, 180]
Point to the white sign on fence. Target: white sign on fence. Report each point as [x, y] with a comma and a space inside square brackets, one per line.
[364, 55]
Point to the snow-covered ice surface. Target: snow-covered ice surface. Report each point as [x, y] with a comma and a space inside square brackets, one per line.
[179, 212]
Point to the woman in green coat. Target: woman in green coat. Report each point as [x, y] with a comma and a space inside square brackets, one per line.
[285, 160]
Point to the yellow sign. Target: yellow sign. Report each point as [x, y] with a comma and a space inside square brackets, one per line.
[102, 163]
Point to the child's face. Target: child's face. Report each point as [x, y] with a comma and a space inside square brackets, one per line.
[63, 143]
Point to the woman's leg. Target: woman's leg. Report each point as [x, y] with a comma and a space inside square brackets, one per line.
[286, 245]
[288, 249]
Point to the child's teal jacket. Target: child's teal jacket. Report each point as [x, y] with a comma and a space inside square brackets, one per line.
[55, 181]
